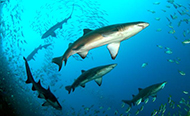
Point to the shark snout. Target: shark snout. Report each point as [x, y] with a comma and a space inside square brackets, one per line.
[143, 25]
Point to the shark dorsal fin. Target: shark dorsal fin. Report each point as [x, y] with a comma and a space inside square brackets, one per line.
[70, 44]
[133, 95]
[82, 71]
[39, 83]
[48, 88]
[85, 31]
[98, 81]
[139, 89]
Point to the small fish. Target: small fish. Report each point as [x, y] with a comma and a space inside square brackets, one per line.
[151, 11]
[171, 32]
[128, 109]
[185, 92]
[159, 30]
[144, 65]
[146, 100]
[122, 105]
[154, 113]
[137, 112]
[138, 101]
[116, 112]
[159, 46]
[170, 60]
[169, 99]
[158, 19]
[168, 52]
[184, 33]
[178, 106]
[181, 72]
[156, 3]
[187, 41]
[142, 107]
[163, 10]
[154, 99]
[109, 108]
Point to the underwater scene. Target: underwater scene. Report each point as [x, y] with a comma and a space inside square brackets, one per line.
[95, 58]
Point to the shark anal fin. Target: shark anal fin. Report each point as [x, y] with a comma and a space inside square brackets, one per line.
[99, 81]
[45, 104]
[113, 49]
[85, 31]
[53, 34]
[83, 86]
[83, 54]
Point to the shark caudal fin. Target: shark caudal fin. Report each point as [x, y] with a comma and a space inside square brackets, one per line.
[59, 61]
[127, 102]
[68, 88]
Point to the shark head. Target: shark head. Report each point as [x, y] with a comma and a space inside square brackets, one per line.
[163, 84]
[130, 29]
[106, 69]
[55, 104]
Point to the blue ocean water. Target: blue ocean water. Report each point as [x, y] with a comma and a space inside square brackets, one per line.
[160, 46]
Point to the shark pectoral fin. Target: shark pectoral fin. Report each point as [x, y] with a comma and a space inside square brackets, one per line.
[53, 34]
[33, 87]
[85, 31]
[41, 96]
[83, 54]
[83, 86]
[45, 104]
[99, 81]
[113, 49]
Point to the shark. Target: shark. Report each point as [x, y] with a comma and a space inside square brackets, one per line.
[89, 75]
[111, 35]
[145, 93]
[51, 31]
[43, 93]
[35, 51]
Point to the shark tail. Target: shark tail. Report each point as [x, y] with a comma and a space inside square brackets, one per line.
[68, 88]
[59, 61]
[128, 102]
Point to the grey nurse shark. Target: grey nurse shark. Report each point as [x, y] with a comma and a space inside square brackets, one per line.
[51, 31]
[145, 93]
[89, 75]
[111, 35]
[43, 93]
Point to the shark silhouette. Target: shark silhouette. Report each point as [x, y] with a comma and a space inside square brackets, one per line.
[43, 93]
[51, 31]
[35, 51]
